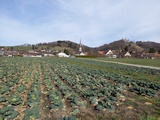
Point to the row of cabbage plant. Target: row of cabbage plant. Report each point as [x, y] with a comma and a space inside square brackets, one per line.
[53, 95]
[67, 91]
[117, 66]
[88, 87]
[91, 82]
[33, 100]
[10, 97]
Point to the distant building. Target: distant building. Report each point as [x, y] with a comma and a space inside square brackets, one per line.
[81, 54]
[62, 54]
[8, 53]
[1, 52]
[127, 55]
[32, 54]
[109, 54]
[101, 52]
[80, 49]
[47, 54]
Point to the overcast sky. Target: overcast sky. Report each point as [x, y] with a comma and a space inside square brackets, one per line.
[96, 22]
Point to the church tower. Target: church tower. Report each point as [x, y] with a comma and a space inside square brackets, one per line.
[80, 47]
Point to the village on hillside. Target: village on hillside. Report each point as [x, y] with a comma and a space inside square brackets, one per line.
[108, 53]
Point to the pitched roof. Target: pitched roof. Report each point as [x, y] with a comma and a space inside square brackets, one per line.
[109, 52]
[127, 54]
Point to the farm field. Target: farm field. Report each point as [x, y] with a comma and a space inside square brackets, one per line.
[146, 62]
[77, 89]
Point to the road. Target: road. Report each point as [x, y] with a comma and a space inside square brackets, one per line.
[141, 66]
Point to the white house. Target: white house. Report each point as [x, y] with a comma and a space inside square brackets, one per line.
[48, 55]
[61, 54]
[32, 55]
[81, 54]
[1, 52]
[109, 54]
[127, 54]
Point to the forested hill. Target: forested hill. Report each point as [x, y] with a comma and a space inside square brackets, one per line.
[121, 45]
[118, 45]
[138, 46]
[65, 44]
[148, 45]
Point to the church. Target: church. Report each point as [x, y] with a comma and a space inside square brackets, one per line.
[80, 49]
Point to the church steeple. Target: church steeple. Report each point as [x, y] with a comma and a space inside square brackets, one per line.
[80, 46]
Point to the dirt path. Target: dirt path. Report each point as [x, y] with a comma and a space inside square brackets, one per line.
[141, 66]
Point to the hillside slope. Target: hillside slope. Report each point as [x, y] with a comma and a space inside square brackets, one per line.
[148, 45]
[121, 45]
[118, 45]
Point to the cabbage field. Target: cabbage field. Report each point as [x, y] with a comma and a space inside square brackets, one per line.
[77, 89]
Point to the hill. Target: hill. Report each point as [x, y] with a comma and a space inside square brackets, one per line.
[119, 45]
[63, 44]
[116, 45]
[147, 45]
